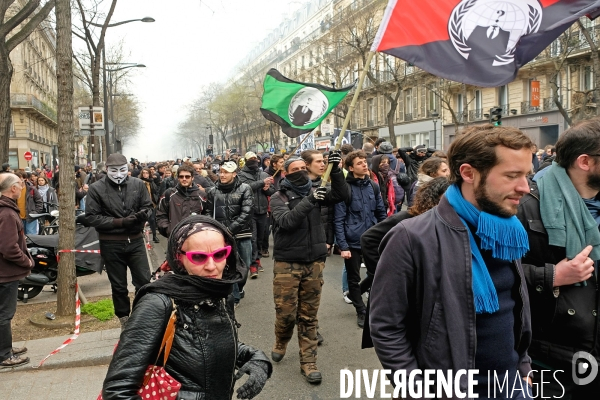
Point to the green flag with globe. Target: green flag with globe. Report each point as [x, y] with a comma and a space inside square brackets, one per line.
[298, 107]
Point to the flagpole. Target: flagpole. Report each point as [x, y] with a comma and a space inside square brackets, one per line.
[338, 142]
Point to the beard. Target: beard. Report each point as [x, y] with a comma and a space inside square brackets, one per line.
[490, 205]
[593, 181]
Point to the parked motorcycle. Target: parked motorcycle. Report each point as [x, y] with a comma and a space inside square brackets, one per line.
[44, 250]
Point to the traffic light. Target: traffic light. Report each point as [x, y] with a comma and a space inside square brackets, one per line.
[496, 116]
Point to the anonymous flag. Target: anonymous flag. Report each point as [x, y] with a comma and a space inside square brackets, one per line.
[298, 107]
[478, 42]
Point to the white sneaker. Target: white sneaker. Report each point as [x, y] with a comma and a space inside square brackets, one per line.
[346, 298]
[362, 265]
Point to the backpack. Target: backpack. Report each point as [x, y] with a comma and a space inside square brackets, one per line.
[376, 191]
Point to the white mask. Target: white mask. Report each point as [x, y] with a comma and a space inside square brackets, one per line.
[117, 174]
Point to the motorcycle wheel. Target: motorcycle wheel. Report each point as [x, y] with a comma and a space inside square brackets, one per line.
[31, 291]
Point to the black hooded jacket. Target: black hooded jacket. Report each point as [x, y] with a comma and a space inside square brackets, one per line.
[108, 203]
[176, 204]
[413, 161]
[256, 180]
[232, 205]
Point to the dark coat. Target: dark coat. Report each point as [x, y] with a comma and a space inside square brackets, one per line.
[298, 230]
[422, 311]
[353, 218]
[176, 204]
[412, 161]
[232, 208]
[203, 358]
[564, 323]
[33, 201]
[15, 260]
[256, 180]
[167, 183]
[108, 202]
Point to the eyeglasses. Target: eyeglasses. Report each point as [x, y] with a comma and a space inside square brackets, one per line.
[593, 155]
[201, 257]
[185, 177]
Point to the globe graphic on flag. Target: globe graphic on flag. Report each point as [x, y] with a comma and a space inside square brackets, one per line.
[505, 15]
[308, 105]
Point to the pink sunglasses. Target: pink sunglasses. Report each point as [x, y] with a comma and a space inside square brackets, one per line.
[201, 257]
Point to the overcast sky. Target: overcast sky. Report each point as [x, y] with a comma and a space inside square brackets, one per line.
[191, 44]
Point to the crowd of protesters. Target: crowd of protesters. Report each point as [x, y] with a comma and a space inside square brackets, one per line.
[492, 186]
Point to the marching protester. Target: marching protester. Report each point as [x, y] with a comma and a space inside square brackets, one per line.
[429, 169]
[428, 196]
[49, 198]
[179, 202]
[152, 188]
[202, 255]
[30, 202]
[262, 186]
[434, 306]
[231, 203]
[275, 169]
[413, 158]
[15, 264]
[118, 206]
[352, 218]
[299, 252]
[562, 216]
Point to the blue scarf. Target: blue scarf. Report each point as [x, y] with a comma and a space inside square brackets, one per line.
[505, 237]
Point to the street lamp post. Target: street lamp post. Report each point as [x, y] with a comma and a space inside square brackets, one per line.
[434, 118]
[110, 143]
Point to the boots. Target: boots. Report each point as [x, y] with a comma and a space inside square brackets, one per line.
[311, 373]
[155, 239]
[278, 351]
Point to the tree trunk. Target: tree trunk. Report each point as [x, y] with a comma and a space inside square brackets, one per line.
[6, 71]
[64, 74]
[390, 121]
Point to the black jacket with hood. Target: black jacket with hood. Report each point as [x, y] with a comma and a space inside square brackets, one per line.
[232, 205]
[176, 204]
[107, 204]
[256, 180]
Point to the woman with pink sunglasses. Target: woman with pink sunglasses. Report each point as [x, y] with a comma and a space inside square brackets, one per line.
[205, 353]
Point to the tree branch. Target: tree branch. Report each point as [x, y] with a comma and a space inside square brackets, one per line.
[30, 26]
[19, 17]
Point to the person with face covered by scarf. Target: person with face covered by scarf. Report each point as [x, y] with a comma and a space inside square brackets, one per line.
[262, 187]
[203, 259]
[118, 206]
[300, 250]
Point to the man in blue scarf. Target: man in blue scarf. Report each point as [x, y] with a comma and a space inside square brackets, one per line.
[562, 216]
[449, 291]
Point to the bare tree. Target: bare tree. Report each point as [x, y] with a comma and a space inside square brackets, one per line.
[64, 73]
[16, 24]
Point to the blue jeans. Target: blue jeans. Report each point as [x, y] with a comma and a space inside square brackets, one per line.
[31, 228]
[244, 248]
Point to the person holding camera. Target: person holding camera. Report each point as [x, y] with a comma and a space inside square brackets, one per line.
[118, 206]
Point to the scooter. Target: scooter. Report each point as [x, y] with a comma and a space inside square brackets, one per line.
[44, 250]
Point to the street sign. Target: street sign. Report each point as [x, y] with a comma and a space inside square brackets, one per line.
[272, 150]
[28, 156]
[90, 117]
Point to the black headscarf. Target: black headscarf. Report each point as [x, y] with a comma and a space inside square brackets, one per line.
[191, 288]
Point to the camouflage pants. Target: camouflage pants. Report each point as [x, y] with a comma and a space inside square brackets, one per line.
[297, 294]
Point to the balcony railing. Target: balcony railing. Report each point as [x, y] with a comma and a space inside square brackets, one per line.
[408, 117]
[29, 100]
[549, 103]
[476, 115]
[527, 108]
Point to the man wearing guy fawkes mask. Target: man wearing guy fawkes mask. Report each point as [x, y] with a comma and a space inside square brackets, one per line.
[118, 206]
[300, 250]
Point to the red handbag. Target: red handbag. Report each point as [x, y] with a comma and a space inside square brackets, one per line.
[158, 384]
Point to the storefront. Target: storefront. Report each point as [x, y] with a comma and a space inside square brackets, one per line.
[414, 134]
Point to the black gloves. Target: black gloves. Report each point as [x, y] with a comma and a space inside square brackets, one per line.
[317, 195]
[258, 375]
[129, 222]
[335, 158]
[81, 220]
[140, 216]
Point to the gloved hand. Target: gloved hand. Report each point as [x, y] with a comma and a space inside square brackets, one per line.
[140, 216]
[317, 195]
[129, 222]
[258, 375]
[335, 158]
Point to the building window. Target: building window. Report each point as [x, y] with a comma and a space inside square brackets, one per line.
[408, 102]
[13, 159]
[503, 96]
[370, 112]
[588, 78]
[478, 100]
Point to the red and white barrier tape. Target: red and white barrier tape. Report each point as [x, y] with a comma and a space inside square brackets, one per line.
[76, 251]
[77, 324]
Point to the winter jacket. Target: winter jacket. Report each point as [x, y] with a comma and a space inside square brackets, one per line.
[15, 260]
[152, 189]
[298, 231]
[256, 180]
[563, 322]
[326, 215]
[108, 203]
[232, 207]
[421, 302]
[353, 218]
[203, 357]
[33, 202]
[202, 181]
[167, 183]
[176, 204]
[412, 161]
[49, 198]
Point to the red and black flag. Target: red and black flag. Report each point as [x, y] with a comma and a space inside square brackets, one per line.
[479, 42]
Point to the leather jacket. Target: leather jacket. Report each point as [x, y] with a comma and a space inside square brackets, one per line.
[232, 208]
[203, 358]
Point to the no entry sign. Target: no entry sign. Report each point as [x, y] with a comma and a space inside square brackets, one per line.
[28, 156]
